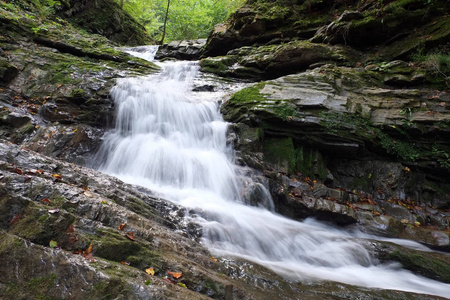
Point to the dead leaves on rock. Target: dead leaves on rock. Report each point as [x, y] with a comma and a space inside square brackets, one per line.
[150, 271]
[175, 275]
[172, 277]
[87, 254]
[15, 219]
[130, 236]
[121, 226]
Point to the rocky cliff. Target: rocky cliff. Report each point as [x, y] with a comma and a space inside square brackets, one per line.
[351, 107]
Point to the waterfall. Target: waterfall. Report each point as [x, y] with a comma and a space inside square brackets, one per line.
[173, 141]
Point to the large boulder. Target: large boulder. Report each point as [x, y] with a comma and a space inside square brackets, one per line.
[272, 61]
[184, 50]
[55, 91]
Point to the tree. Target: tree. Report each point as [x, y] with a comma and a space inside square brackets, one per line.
[168, 20]
[165, 22]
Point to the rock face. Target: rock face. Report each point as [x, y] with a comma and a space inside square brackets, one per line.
[105, 17]
[55, 92]
[183, 50]
[357, 102]
[71, 232]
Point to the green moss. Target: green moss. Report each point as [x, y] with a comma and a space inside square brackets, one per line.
[249, 95]
[424, 265]
[113, 246]
[39, 226]
[310, 163]
[351, 126]
[109, 289]
[78, 93]
[280, 151]
[285, 111]
[39, 286]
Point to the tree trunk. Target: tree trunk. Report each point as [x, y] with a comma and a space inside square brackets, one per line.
[121, 4]
[165, 23]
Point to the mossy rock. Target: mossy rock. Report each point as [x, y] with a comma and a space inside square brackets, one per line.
[116, 247]
[7, 72]
[105, 17]
[428, 265]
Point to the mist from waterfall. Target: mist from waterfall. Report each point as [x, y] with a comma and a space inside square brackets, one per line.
[173, 141]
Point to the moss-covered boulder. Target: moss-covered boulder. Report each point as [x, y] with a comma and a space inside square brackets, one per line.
[55, 80]
[105, 17]
[273, 61]
[333, 124]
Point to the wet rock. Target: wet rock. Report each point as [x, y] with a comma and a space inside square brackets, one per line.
[7, 72]
[185, 50]
[272, 61]
[106, 18]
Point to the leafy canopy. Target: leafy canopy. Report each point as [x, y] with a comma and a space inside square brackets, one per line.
[187, 19]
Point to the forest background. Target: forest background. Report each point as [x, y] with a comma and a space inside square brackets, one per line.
[186, 19]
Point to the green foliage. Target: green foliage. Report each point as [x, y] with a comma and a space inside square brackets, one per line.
[441, 156]
[436, 62]
[286, 111]
[249, 95]
[188, 19]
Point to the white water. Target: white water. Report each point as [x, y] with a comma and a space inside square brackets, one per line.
[168, 140]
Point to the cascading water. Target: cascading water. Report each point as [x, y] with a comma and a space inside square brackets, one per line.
[170, 140]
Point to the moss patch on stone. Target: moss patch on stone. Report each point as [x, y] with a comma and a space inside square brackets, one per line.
[424, 265]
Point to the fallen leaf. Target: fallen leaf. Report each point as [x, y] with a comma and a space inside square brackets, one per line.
[88, 250]
[46, 201]
[15, 219]
[407, 169]
[90, 257]
[57, 176]
[70, 229]
[88, 194]
[175, 275]
[182, 285]
[18, 171]
[213, 259]
[121, 226]
[148, 282]
[404, 221]
[53, 211]
[150, 271]
[126, 263]
[104, 202]
[130, 236]
[53, 244]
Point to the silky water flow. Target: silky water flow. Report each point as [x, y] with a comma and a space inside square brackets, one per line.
[173, 141]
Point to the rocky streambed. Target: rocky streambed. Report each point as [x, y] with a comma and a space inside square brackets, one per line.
[338, 135]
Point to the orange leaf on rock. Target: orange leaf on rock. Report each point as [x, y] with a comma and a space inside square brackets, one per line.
[121, 226]
[57, 176]
[15, 219]
[18, 171]
[88, 250]
[150, 271]
[70, 229]
[175, 275]
[46, 201]
[130, 236]
[126, 263]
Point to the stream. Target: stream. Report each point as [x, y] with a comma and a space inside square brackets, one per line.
[172, 140]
